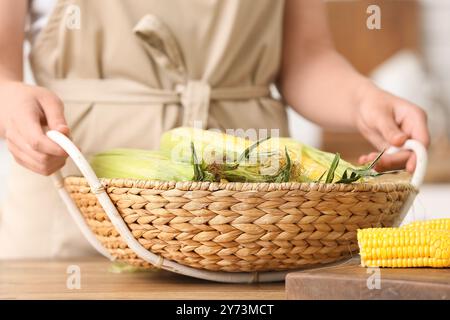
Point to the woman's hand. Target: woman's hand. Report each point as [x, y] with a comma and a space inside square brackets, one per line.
[26, 112]
[323, 87]
[386, 120]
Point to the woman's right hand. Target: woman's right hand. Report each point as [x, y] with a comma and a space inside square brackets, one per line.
[26, 112]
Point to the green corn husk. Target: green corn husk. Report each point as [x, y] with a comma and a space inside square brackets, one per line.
[189, 154]
[308, 164]
[211, 146]
[220, 156]
[255, 173]
[138, 153]
[314, 161]
[122, 267]
[140, 164]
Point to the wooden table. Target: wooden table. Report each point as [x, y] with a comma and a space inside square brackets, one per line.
[47, 280]
[349, 280]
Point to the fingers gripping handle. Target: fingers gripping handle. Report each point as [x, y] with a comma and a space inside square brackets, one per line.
[78, 158]
[421, 160]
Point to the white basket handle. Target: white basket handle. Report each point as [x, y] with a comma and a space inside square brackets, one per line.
[418, 175]
[112, 213]
[421, 160]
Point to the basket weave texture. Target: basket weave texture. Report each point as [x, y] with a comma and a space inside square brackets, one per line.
[240, 227]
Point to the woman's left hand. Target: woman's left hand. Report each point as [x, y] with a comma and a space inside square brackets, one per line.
[324, 88]
[386, 120]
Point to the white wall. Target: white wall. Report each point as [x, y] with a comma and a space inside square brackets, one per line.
[431, 202]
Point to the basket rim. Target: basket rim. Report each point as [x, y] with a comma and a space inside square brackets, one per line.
[244, 186]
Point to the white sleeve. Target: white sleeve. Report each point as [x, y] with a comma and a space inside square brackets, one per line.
[39, 13]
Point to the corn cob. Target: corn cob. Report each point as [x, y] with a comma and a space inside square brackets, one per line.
[434, 224]
[221, 155]
[137, 153]
[226, 157]
[315, 162]
[140, 164]
[308, 163]
[404, 247]
[209, 145]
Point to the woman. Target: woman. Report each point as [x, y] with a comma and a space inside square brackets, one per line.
[135, 68]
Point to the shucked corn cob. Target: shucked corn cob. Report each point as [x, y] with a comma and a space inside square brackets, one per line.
[404, 247]
[434, 224]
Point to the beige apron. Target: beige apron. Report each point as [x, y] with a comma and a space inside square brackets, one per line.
[132, 70]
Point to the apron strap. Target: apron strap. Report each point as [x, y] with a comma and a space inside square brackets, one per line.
[195, 97]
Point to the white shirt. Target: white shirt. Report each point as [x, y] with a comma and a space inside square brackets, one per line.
[40, 11]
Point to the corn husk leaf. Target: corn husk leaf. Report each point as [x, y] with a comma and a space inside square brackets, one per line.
[140, 164]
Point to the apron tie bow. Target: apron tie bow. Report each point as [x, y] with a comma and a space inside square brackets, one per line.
[195, 97]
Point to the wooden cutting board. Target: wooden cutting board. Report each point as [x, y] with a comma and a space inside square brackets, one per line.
[349, 280]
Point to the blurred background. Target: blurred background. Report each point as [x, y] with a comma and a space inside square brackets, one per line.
[410, 57]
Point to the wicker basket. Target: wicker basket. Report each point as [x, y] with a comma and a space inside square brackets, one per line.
[231, 232]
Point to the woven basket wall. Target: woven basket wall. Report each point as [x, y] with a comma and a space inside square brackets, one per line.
[237, 226]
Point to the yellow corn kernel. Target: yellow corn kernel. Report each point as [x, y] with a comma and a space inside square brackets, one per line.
[404, 247]
[434, 224]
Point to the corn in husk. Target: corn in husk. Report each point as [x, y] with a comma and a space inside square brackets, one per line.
[204, 155]
[314, 162]
[140, 164]
[209, 145]
[267, 162]
[230, 158]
